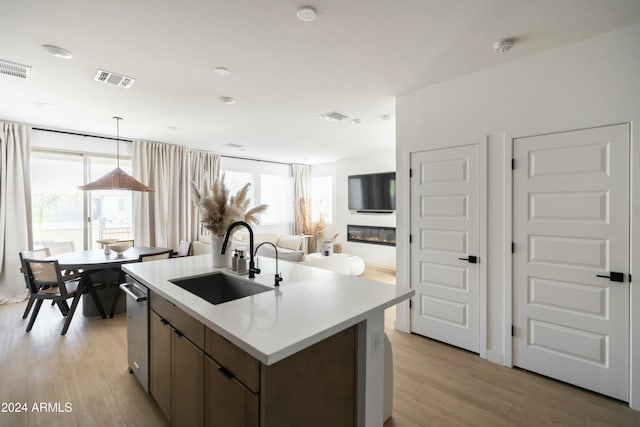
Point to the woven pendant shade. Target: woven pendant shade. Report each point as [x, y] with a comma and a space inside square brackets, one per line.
[117, 179]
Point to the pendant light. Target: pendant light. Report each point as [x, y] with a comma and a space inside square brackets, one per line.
[117, 179]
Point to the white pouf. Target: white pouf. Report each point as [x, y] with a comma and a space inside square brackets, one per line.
[356, 265]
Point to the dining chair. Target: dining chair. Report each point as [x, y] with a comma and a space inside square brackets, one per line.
[160, 255]
[33, 254]
[48, 283]
[61, 247]
[184, 248]
[142, 258]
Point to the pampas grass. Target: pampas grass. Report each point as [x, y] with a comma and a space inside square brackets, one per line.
[303, 219]
[218, 211]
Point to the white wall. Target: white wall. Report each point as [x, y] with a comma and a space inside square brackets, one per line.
[589, 83]
[381, 161]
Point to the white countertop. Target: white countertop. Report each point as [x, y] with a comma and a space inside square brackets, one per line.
[310, 305]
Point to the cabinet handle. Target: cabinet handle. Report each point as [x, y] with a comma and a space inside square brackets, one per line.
[164, 322]
[227, 373]
[178, 333]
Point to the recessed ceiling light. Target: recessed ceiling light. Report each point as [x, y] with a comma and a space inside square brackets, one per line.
[228, 100]
[356, 121]
[385, 116]
[504, 45]
[58, 52]
[333, 116]
[172, 128]
[221, 71]
[233, 145]
[306, 13]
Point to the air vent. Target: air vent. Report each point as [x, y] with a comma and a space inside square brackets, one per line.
[16, 70]
[114, 79]
[333, 116]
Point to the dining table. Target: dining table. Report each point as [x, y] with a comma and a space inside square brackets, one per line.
[98, 266]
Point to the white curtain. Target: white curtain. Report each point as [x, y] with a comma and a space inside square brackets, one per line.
[205, 167]
[163, 217]
[15, 208]
[301, 200]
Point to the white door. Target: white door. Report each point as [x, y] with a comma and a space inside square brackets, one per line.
[445, 244]
[571, 227]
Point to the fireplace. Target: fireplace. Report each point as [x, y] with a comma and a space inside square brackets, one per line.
[371, 234]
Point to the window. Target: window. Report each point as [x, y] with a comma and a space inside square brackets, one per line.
[59, 208]
[236, 180]
[56, 202]
[110, 210]
[271, 184]
[277, 192]
[322, 198]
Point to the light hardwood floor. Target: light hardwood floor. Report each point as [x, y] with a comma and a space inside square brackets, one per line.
[439, 385]
[435, 384]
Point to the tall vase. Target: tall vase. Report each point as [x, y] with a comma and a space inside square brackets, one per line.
[218, 259]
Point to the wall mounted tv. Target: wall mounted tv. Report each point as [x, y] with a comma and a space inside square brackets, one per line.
[374, 192]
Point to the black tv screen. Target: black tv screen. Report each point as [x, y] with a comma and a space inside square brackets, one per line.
[373, 192]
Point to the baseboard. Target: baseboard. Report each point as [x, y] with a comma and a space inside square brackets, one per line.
[495, 357]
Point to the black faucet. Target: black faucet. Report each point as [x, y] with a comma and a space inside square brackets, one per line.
[278, 277]
[252, 267]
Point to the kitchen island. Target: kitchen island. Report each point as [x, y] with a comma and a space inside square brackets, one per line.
[312, 312]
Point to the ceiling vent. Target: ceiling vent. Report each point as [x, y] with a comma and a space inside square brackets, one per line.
[114, 79]
[16, 70]
[333, 116]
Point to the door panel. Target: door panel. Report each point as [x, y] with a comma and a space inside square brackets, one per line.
[571, 223]
[445, 223]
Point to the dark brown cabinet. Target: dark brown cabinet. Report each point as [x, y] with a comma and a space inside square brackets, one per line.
[176, 363]
[160, 362]
[187, 372]
[227, 401]
[199, 378]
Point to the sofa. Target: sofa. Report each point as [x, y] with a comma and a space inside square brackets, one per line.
[290, 247]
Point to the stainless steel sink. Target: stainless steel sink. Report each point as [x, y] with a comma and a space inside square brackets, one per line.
[218, 288]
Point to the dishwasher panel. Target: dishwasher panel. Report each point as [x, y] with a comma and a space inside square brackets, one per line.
[137, 330]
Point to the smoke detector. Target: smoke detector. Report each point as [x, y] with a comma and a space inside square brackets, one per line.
[504, 45]
[114, 79]
[306, 13]
[15, 70]
[333, 116]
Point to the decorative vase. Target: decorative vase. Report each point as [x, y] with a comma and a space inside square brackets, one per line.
[218, 259]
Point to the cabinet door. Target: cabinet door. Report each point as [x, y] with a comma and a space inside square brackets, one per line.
[160, 362]
[228, 403]
[187, 382]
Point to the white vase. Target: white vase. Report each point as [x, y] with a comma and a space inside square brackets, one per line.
[218, 259]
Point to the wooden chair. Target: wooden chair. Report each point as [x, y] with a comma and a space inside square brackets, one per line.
[48, 283]
[142, 258]
[34, 254]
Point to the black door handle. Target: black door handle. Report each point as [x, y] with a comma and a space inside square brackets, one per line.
[472, 259]
[613, 276]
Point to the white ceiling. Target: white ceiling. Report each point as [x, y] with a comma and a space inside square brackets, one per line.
[354, 58]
